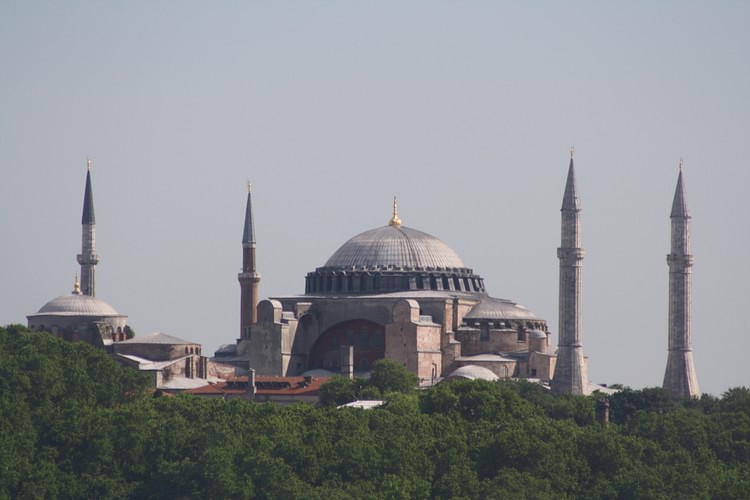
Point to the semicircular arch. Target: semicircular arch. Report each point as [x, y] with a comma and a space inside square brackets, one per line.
[367, 337]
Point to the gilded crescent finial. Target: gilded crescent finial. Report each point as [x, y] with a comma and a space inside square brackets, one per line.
[395, 221]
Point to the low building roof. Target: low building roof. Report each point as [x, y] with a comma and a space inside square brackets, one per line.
[364, 404]
[264, 386]
[484, 357]
[157, 338]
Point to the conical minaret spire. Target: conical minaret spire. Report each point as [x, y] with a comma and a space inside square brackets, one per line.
[680, 379]
[249, 278]
[88, 258]
[571, 374]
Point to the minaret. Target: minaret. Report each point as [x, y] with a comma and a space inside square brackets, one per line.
[570, 370]
[680, 379]
[88, 259]
[249, 279]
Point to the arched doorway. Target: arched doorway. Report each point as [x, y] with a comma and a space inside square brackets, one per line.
[367, 337]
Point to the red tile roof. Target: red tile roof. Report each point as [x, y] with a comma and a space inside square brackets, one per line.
[264, 386]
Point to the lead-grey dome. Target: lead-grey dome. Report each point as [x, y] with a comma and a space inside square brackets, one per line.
[390, 259]
[76, 305]
[473, 372]
[394, 247]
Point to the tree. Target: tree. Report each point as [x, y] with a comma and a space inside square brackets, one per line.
[337, 391]
[389, 376]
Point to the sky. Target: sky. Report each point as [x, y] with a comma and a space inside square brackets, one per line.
[466, 111]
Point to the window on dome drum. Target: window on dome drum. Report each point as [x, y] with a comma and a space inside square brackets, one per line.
[521, 333]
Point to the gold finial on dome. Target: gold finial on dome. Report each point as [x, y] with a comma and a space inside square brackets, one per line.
[77, 286]
[395, 221]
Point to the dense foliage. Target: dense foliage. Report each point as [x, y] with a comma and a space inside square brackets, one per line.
[386, 376]
[74, 425]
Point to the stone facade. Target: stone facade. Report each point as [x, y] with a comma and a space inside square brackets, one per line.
[391, 292]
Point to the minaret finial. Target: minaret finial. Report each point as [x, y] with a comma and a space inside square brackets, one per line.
[572, 152]
[88, 163]
[680, 164]
[249, 186]
[395, 221]
[77, 286]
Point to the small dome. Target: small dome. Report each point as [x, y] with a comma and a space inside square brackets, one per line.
[473, 372]
[394, 246]
[77, 305]
[492, 308]
[536, 334]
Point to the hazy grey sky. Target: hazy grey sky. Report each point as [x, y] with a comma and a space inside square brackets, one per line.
[464, 110]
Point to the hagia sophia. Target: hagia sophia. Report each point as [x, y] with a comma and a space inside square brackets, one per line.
[389, 292]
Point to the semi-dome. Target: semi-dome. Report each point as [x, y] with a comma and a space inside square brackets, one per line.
[397, 247]
[493, 309]
[76, 304]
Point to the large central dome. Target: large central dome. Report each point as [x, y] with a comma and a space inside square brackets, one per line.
[394, 247]
[393, 258]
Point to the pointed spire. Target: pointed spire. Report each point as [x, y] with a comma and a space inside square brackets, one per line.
[248, 235]
[679, 204]
[88, 198]
[395, 221]
[570, 198]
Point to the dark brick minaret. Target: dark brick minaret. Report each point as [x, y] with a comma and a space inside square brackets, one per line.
[249, 278]
[680, 379]
[570, 370]
[88, 259]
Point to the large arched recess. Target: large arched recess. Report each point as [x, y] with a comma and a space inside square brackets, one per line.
[367, 337]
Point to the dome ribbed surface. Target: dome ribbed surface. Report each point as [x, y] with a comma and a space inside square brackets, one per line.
[492, 308]
[473, 372]
[78, 305]
[396, 247]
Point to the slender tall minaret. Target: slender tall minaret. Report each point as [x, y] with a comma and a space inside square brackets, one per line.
[680, 379]
[570, 370]
[88, 259]
[249, 278]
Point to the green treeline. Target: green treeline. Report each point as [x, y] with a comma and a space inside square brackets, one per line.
[75, 425]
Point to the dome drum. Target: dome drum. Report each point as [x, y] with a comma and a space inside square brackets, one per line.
[328, 281]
